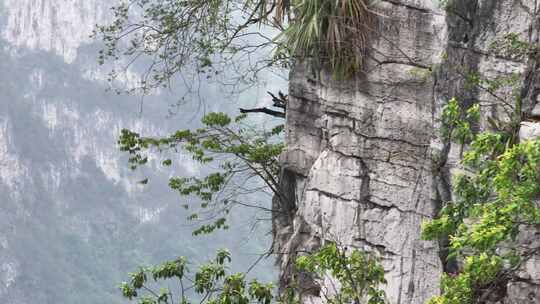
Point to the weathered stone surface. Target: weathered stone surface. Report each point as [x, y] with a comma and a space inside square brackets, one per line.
[365, 155]
[529, 130]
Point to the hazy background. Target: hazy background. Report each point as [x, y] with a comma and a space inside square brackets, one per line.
[73, 219]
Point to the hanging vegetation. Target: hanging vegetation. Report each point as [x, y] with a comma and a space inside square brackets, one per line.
[332, 34]
[214, 36]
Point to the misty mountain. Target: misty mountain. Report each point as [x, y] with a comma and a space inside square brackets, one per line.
[73, 218]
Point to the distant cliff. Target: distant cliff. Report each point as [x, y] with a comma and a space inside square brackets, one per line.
[365, 160]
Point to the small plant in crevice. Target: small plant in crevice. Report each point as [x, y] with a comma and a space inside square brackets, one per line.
[513, 46]
[331, 34]
[457, 124]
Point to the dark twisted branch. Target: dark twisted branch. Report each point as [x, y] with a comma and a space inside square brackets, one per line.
[279, 101]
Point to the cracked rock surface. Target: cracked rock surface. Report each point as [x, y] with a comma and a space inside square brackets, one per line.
[365, 164]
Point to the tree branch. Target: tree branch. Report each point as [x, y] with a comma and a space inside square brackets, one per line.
[265, 111]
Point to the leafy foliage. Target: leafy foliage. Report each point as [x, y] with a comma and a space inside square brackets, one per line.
[332, 34]
[497, 194]
[205, 38]
[242, 152]
[196, 40]
[491, 202]
[457, 124]
[358, 274]
[211, 282]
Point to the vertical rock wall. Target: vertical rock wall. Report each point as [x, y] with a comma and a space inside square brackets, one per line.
[365, 163]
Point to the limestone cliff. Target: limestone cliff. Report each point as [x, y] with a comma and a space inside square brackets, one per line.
[74, 219]
[365, 164]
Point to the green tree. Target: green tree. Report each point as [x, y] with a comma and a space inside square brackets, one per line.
[205, 40]
[211, 283]
[246, 159]
[492, 203]
[358, 274]
[497, 195]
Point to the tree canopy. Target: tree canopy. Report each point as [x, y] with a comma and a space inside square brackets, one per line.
[203, 39]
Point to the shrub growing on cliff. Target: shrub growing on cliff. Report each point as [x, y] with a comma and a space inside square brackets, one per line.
[211, 283]
[358, 274]
[494, 199]
[491, 205]
[334, 34]
[484, 220]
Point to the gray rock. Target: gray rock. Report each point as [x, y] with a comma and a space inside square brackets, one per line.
[536, 110]
[367, 157]
[529, 130]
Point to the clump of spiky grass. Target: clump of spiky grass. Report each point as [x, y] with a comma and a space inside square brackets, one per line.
[332, 33]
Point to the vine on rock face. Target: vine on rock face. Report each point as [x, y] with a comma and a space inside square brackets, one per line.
[243, 153]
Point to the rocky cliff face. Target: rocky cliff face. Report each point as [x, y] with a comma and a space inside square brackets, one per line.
[365, 162]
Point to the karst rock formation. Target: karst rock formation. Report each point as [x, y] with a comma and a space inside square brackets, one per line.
[365, 163]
